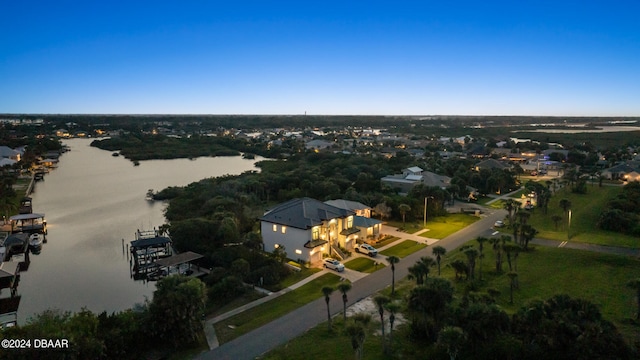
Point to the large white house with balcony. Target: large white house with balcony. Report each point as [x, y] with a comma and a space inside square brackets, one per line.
[308, 228]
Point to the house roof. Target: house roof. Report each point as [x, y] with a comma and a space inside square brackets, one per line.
[304, 213]
[347, 204]
[7, 152]
[365, 222]
[414, 169]
[620, 168]
[433, 179]
[491, 164]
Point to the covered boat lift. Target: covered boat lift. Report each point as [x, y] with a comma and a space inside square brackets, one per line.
[29, 223]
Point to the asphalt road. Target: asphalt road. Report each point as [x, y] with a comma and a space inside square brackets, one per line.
[290, 326]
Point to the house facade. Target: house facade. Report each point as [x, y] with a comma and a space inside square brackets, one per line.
[369, 228]
[308, 229]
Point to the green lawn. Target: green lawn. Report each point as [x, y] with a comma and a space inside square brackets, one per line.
[443, 226]
[362, 264]
[585, 211]
[543, 272]
[296, 276]
[271, 310]
[385, 241]
[403, 249]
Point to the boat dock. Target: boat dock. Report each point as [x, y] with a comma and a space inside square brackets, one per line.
[153, 257]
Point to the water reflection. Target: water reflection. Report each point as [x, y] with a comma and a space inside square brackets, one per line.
[93, 201]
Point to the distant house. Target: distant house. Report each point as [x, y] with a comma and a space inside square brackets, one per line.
[308, 228]
[9, 153]
[413, 176]
[369, 228]
[490, 164]
[619, 171]
[318, 144]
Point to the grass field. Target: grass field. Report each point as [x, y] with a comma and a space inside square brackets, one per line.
[585, 211]
[253, 318]
[365, 265]
[403, 249]
[443, 226]
[543, 272]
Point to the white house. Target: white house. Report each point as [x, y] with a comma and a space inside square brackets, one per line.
[369, 228]
[307, 229]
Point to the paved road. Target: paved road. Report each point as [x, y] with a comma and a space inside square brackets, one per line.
[290, 326]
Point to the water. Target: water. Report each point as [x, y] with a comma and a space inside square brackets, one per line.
[92, 201]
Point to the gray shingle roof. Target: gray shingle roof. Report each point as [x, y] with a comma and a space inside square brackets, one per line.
[303, 213]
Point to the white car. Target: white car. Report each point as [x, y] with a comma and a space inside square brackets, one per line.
[367, 249]
[498, 224]
[333, 264]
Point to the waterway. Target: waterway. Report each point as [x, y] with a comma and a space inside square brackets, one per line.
[93, 201]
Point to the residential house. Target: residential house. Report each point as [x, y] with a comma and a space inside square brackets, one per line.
[413, 176]
[308, 228]
[490, 164]
[619, 171]
[318, 144]
[369, 228]
[9, 153]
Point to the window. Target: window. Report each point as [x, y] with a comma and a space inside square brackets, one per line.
[349, 222]
[315, 233]
[275, 227]
[284, 229]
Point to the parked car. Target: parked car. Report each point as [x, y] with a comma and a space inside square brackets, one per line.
[498, 224]
[367, 249]
[333, 264]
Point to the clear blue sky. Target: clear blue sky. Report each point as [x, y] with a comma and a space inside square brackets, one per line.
[531, 57]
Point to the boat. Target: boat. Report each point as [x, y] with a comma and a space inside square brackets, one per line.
[149, 195]
[35, 239]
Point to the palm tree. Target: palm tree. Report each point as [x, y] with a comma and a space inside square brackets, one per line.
[356, 330]
[404, 209]
[438, 252]
[472, 255]
[512, 207]
[565, 204]
[343, 288]
[635, 284]
[426, 263]
[392, 308]
[556, 220]
[513, 276]
[381, 301]
[481, 240]
[415, 272]
[326, 291]
[393, 260]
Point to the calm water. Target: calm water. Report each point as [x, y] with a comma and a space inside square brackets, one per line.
[92, 201]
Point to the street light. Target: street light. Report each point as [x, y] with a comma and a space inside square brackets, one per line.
[569, 226]
[424, 225]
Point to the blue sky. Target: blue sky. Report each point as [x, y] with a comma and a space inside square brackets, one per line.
[564, 58]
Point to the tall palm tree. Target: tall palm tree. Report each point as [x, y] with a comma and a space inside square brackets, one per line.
[472, 255]
[357, 333]
[556, 220]
[343, 288]
[438, 252]
[404, 209]
[565, 204]
[513, 276]
[426, 262]
[327, 291]
[481, 240]
[635, 284]
[393, 260]
[381, 301]
[415, 272]
[392, 307]
[512, 207]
